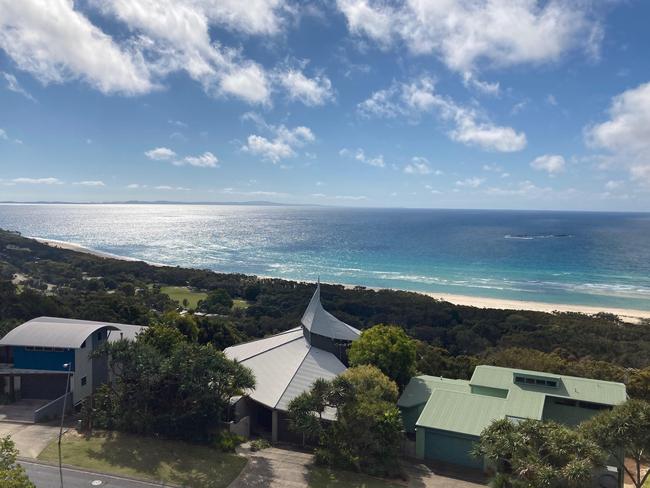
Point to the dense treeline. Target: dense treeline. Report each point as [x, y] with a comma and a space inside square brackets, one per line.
[452, 339]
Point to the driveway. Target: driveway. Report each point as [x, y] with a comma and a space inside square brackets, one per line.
[30, 439]
[282, 468]
[21, 410]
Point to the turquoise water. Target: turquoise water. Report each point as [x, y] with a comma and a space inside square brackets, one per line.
[557, 257]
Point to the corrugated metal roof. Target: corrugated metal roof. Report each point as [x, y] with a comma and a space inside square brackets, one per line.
[284, 365]
[419, 389]
[464, 413]
[582, 389]
[241, 352]
[319, 321]
[54, 332]
[317, 364]
[125, 332]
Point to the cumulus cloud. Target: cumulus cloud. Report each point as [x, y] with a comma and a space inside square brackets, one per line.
[310, 91]
[282, 142]
[467, 34]
[95, 183]
[626, 135]
[418, 166]
[160, 154]
[14, 86]
[360, 155]
[470, 182]
[56, 41]
[551, 163]
[205, 160]
[417, 97]
[37, 181]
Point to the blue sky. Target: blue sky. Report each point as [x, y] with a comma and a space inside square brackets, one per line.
[419, 103]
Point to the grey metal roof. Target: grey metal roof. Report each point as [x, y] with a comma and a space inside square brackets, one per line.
[319, 321]
[284, 365]
[56, 332]
[125, 332]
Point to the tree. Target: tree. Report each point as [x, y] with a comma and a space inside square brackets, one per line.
[532, 454]
[388, 348]
[639, 385]
[217, 301]
[367, 432]
[164, 385]
[12, 475]
[624, 432]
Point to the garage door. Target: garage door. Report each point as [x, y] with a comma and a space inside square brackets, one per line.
[448, 448]
[43, 386]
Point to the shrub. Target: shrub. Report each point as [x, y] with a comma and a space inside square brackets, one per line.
[259, 444]
[227, 441]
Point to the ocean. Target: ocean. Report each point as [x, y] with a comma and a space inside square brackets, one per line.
[575, 258]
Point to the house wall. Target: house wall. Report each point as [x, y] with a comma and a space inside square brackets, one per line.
[89, 368]
[557, 409]
[450, 447]
[43, 360]
[410, 416]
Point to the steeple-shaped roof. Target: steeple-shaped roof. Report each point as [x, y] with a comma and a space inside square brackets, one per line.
[319, 321]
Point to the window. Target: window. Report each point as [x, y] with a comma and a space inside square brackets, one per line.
[526, 379]
[519, 379]
[83, 381]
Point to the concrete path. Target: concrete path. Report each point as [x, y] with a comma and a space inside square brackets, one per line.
[282, 468]
[30, 439]
[21, 410]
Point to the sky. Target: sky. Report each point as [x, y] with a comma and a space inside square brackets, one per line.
[518, 104]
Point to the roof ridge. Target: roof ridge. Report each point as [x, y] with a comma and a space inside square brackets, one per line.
[269, 349]
[293, 376]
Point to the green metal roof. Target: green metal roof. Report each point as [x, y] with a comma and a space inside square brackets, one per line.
[581, 389]
[464, 413]
[419, 389]
[468, 407]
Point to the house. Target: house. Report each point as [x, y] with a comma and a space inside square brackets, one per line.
[35, 357]
[447, 416]
[287, 364]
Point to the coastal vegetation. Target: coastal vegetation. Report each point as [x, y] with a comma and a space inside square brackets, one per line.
[12, 474]
[451, 339]
[366, 436]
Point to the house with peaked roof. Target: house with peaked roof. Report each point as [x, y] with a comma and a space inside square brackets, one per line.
[37, 356]
[287, 364]
[447, 416]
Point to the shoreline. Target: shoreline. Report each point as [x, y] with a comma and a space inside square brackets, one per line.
[626, 315]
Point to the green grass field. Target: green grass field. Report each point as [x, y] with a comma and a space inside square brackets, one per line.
[179, 293]
[329, 478]
[149, 459]
[239, 303]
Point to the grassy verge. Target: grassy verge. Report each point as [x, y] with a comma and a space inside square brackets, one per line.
[149, 459]
[239, 303]
[180, 293]
[328, 478]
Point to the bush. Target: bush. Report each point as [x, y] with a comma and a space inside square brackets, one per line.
[259, 444]
[227, 441]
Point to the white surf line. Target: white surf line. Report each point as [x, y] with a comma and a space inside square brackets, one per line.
[95, 473]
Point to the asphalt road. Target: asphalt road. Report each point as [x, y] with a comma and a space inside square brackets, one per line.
[46, 476]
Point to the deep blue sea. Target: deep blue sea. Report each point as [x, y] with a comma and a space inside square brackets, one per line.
[557, 257]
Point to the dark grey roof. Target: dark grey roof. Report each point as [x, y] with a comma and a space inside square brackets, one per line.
[58, 332]
[319, 321]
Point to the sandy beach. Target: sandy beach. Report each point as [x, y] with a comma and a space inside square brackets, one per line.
[627, 315]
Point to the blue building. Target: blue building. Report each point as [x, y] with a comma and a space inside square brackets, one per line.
[35, 358]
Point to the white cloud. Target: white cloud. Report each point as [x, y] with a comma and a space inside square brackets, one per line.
[465, 34]
[37, 181]
[136, 186]
[526, 189]
[626, 135]
[417, 97]
[360, 155]
[470, 182]
[205, 160]
[613, 185]
[14, 86]
[551, 163]
[3, 135]
[171, 188]
[418, 166]
[310, 91]
[283, 142]
[95, 183]
[55, 43]
[160, 154]
[177, 123]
